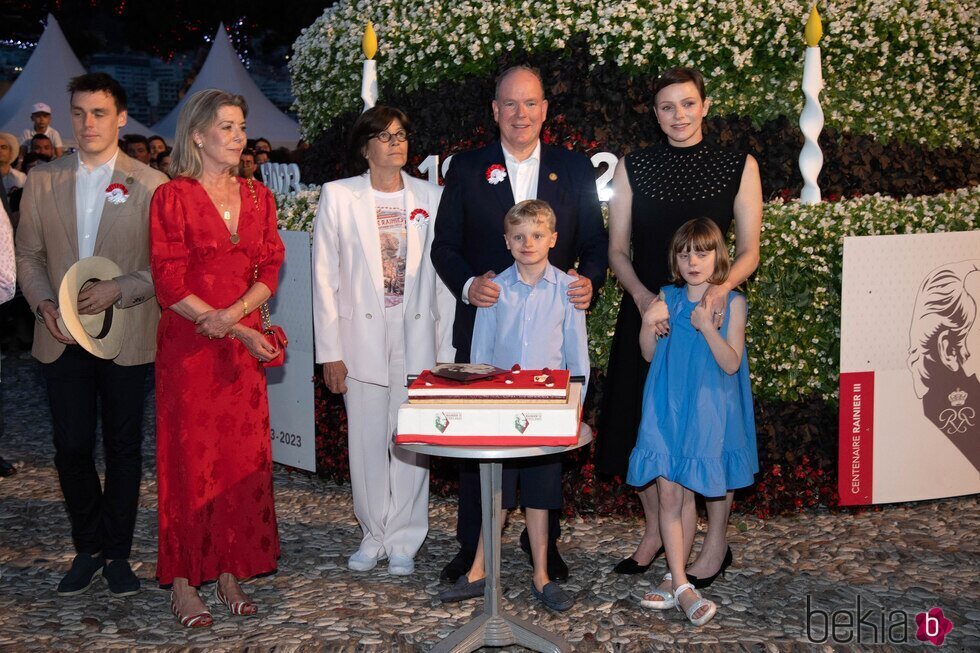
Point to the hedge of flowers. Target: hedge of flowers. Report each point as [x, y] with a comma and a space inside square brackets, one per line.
[794, 297]
[893, 69]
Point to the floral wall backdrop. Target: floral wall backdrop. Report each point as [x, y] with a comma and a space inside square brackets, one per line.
[894, 69]
[901, 146]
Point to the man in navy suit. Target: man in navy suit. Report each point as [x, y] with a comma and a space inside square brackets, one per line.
[468, 250]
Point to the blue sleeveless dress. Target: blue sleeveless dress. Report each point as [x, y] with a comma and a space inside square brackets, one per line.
[698, 426]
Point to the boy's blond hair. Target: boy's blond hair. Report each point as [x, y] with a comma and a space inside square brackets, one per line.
[536, 211]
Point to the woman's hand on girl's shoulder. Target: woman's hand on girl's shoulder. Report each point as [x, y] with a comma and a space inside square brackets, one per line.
[657, 316]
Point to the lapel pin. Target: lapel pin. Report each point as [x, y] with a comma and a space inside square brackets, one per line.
[553, 177]
[129, 180]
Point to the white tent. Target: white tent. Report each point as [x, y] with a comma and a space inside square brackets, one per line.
[45, 79]
[223, 69]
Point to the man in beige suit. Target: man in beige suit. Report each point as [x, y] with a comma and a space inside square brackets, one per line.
[69, 213]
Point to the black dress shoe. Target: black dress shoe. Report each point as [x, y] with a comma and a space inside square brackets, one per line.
[6, 469]
[629, 566]
[557, 569]
[84, 571]
[121, 579]
[457, 566]
[701, 583]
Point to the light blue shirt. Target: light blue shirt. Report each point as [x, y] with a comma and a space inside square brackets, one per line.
[535, 327]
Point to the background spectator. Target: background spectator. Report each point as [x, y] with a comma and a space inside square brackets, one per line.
[43, 145]
[157, 145]
[246, 165]
[41, 117]
[9, 152]
[138, 147]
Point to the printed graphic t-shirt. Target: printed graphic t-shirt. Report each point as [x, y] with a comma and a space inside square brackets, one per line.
[390, 210]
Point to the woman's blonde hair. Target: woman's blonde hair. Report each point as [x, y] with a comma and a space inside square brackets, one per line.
[197, 115]
[700, 235]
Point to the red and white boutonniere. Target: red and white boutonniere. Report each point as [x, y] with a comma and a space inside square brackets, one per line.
[419, 217]
[116, 194]
[496, 173]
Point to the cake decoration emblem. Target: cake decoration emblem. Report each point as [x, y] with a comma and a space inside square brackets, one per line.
[521, 423]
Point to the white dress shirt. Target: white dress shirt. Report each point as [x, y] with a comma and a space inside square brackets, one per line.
[523, 177]
[90, 186]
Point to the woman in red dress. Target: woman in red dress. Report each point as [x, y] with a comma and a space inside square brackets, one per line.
[215, 257]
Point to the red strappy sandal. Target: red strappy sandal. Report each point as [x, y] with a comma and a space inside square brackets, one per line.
[238, 608]
[202, 620]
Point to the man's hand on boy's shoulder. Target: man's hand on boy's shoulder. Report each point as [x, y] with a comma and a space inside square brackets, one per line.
[483, 292]
[580, 291]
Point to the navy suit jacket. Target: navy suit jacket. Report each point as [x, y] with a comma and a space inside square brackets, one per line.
[469, 234]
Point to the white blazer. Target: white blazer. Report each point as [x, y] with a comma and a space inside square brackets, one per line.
[348, 285]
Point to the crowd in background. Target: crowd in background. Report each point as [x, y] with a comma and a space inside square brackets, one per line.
[41, 143]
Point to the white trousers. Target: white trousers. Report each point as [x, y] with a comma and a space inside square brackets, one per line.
[390, 485]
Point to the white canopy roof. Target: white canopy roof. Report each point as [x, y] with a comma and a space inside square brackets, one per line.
[223, 69]
[45, 79]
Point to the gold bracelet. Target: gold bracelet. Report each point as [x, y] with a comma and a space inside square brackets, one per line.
[245, 304]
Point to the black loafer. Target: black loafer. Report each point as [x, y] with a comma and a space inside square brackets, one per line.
[84, 571]
[6, 469]
[553, 596]
[463, 590]
[457, 566]
[121, 579]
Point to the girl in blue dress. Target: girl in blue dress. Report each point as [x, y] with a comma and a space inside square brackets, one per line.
[697, 432]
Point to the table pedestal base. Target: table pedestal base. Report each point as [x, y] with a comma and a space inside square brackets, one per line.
[493, 628]
[486, 630]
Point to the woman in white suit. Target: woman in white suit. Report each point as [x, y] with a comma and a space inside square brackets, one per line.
[379, 313]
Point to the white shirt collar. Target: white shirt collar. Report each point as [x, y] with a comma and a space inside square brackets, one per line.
[511, 159]
[110, 164]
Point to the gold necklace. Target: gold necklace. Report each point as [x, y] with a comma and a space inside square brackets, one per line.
[226, 216]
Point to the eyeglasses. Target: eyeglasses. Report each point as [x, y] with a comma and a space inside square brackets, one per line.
[401, 136]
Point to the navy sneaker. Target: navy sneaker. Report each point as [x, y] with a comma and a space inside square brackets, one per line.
[83, 572]
[121, 579]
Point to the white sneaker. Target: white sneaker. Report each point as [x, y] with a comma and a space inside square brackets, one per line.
[401, 565]
[363, 561]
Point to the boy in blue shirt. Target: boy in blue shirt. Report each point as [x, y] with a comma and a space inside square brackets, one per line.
[534, 325]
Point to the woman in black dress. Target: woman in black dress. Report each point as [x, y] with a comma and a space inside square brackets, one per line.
[655, 191]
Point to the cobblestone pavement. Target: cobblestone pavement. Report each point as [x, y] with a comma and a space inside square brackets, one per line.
[904, 558]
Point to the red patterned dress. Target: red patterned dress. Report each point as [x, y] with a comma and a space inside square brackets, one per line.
[214, 457]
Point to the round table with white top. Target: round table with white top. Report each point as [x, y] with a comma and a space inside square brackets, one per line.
[492, 627]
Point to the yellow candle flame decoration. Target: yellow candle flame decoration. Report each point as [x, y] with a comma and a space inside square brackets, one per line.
[813, 30]
[370, 41]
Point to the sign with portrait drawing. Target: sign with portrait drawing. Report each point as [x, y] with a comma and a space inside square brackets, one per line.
[910, 368]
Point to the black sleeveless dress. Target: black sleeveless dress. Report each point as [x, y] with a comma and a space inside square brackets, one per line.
[671, 185]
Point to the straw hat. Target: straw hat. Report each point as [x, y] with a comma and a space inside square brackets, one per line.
[101, 334]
